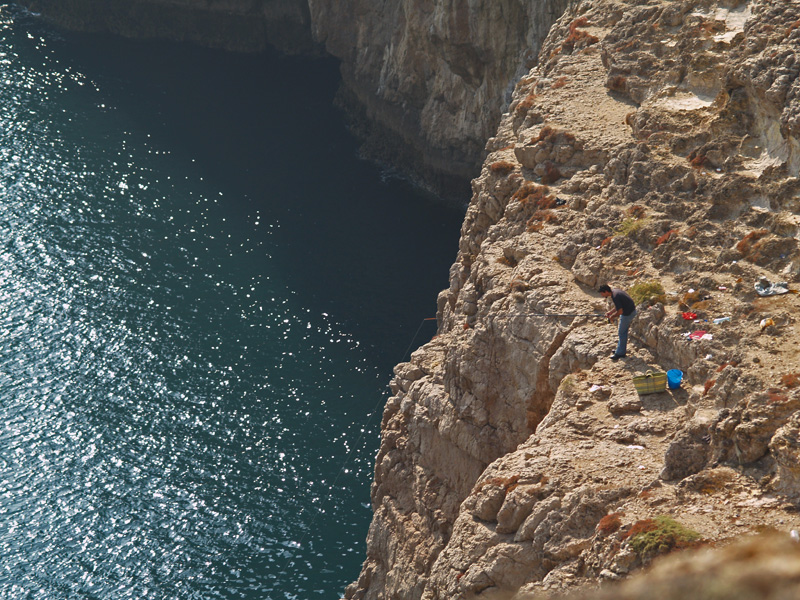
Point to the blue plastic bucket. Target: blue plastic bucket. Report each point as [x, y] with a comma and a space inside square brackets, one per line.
[674, 378]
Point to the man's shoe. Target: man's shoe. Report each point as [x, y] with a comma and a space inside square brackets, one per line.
[617, 356]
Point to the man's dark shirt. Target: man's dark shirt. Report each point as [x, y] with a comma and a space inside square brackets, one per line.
[622, 300]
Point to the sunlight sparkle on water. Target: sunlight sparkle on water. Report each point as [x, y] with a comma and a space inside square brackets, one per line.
[125, 436]
[188, 385]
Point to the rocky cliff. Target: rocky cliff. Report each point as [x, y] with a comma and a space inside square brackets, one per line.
[426, 81]
[654, 146]
[423, 82]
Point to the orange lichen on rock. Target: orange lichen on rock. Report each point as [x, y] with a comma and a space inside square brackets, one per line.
[509, 483]
[525, 104]
[617, 83]
[666, 236]
[697, 160]
[551, 173]
[745, 245]
[791, 380]
[610, 523]
[540, 217]
[579, 38]
[502, 167]
[530, 192]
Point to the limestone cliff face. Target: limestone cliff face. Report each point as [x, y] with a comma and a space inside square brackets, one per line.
[424, 81]
[654, 142]
[430, 78]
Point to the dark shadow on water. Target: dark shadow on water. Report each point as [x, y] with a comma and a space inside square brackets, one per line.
[373, 251]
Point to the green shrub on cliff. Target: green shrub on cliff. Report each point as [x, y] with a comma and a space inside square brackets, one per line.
[651, 537]
[631, 225]
[647, 291]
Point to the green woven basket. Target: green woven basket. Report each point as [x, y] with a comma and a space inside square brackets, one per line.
[651, 382]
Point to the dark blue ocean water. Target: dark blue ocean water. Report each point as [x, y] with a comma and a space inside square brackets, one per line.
[202, 293]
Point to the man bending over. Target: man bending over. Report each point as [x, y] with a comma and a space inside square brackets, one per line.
[625, 309]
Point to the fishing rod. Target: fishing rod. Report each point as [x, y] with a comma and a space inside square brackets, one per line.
[600, 315]
[556, 315]
[560, 315]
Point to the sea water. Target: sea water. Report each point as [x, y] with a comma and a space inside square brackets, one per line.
[203, 291]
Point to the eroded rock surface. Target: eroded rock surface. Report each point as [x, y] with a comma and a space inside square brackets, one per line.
[654, 141]
[428, 80]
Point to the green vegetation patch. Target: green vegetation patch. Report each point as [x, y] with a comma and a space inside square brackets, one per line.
[631, 225]
[567, 384]
[651, 537]
[647, 291]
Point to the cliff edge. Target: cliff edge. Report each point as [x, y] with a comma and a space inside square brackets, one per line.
[654, 146]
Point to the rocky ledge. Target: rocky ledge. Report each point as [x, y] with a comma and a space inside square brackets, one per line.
[655, 147]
